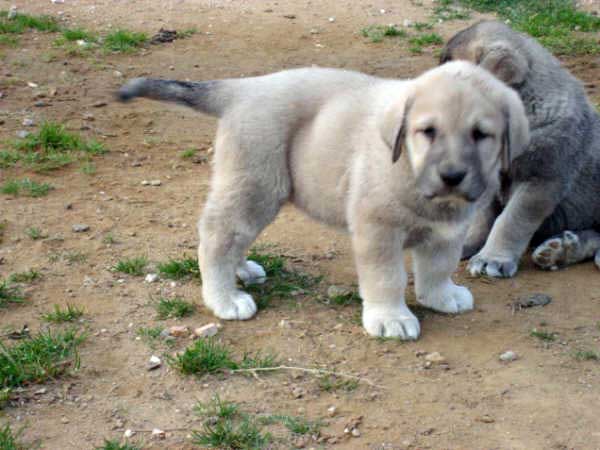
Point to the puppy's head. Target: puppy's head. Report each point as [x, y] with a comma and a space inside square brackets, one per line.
[493, 46]
[459, 127]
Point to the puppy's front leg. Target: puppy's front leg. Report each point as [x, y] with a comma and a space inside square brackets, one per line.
[434, 262]
[382, 280]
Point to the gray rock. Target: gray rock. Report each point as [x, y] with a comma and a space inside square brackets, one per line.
[508, 356]
[27, 122]
[22, 134]
[80, 227]
[334, 291]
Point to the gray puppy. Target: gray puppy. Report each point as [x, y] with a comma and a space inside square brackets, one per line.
[556, 183]
[331, 141]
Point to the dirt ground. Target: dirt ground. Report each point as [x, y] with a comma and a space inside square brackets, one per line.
[546, 399]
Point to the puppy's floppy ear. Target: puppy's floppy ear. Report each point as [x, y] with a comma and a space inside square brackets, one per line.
[515, 138]
[505, 61]
[394, 128]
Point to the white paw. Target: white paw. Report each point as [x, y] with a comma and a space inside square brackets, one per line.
[251, 272]
[493, 266]
[237, 306]
[557, 252]
[390, 321]
[450, 299]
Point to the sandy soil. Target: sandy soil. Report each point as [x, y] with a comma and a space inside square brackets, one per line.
[547, 399]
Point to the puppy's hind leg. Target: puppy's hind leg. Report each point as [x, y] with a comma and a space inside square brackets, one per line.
[232, 218]
[568, 248]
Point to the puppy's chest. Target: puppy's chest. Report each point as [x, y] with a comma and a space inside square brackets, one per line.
[418, 235]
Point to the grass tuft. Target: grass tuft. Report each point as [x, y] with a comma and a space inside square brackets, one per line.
[204, 356]
[23, 22]
[587, 355]
[39, 358]
[78, 34]
[10, 440]
[25, 187]
[176, 269]
[124, 41]
[543, 335]
[34, 233]
[132, 266]
[167, 308]
[116, 445]
[218, 408]
[376, 33]
[444, 10]
[24, 277]
[331, 383]
[69, 314]
[557, 24]
[424, 40]
[10, 294]
[280, 282]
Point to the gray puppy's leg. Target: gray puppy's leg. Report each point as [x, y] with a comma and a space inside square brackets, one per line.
[526, 210]
[434, 262]
[479, 230]
[568, 248]
[379, 255]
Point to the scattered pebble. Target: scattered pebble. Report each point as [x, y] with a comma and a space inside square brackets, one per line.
[314, 31]
[89, 116]
[99, 104]
[407, 22]
[145, 183]
[64, 420]
[207, 330]
[283, 323]
[12, 13]
[158, 434]
[41, 104]
[334, 291]
[178, 331]
[289, 16]
[332, 411]
[297, 392]
[22, 134]
[332, 19]
[80, 227]
[355, 432]
[151, 278]
[508, 356]
[154, 362]
[27, 122]
[529, 301]
[128, 433]
[486, 419]
[118, 74]
[32, 84]
[435, 357]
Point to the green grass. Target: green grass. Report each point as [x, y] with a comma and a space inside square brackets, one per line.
[280, 282]
[124, 41]
[10, 440]
[24, 277]
[257, 360]
[376, 33]
[167, 308]
[109, 239]
[25, 187]
[297, 425]
[226, 427]
[4, 397]
[149, 334]
[176, 269]
[331, 383]
[23, 22]
[78, 34]
[557, 24]
[203, 357]
[10, 294]
[34, 233]
[444, 10]
[132, 266]
[424, 40]
[543, 335]
[50, 148]
[9, 40]
[88, 168]
[587, 355]
[69, 314]
[351, 298]
[421, 26]
[188, 153]
[116, 445]
[37, 359]
[188, 32]
[2, 231]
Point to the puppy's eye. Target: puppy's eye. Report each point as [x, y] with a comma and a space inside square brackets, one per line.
[429, 132]
[478, 135]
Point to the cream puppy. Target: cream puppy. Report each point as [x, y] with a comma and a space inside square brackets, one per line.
[400, 164]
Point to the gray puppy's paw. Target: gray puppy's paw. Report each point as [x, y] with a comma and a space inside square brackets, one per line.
[557, 252]
[449, 299]
[498, 267]
[238, 306]
[250, 272]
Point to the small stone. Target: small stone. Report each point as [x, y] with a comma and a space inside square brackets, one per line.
[145, 183]
[89, 116]
[508, 356]
[22, 134]
[99, 104]
[151, 278]
[486, 419]
[136, 164]
[80, 227]
[155, 183]
[301, 441]
[314, 31]
[158, 434]
[207, 330]
[283, 323]
[178, 331]
[40, 104]
[332, 19]
[334, 291]
[118, 74]
[128, 433]
[32, 84]
[435, 357]
[297, 392]
[332, 411]
[154, 362]
[355, 432]
[64, 420]
[12, 13]
[382, 11]
[407, 22]
[289, 16]
[27, 122]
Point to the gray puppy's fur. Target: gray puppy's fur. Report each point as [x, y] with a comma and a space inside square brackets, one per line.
[556, 184]
[331, 141]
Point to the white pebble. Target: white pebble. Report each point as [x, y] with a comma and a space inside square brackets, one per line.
[508, 356]
[151, 278]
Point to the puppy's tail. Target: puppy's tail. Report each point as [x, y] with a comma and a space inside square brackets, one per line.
[209, 97]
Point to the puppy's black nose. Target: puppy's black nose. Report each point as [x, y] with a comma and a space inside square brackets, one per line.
[452, 177]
